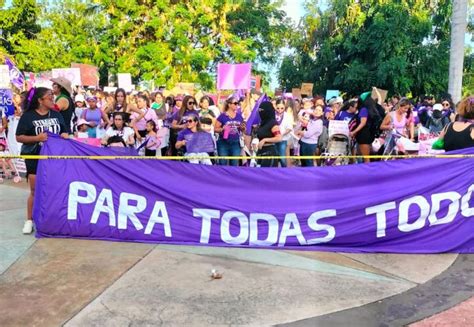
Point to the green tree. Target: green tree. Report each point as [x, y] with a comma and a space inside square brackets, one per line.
[399, 46]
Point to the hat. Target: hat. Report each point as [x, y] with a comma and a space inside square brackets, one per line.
[79, 98]
[365, 95]
[82, 122]
[438, 106]
[64, 82]
[178, 98]
[91, 97]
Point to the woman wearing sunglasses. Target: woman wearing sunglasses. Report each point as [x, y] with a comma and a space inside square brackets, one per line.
[180, 117]
[197, 142]
[229, 125]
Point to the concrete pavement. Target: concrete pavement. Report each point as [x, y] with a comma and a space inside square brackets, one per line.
[53, 282]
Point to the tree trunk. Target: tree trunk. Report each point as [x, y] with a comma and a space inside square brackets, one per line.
[456, 53]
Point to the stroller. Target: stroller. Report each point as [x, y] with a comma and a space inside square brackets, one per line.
[338, 145]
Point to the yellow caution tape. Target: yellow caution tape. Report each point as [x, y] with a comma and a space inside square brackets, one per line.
[429, 156]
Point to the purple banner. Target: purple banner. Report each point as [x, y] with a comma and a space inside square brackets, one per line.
[403, 206]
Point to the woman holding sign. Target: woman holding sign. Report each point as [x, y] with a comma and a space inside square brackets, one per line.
[38, 118]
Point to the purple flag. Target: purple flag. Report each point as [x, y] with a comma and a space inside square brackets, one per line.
[254, 118]
[16, 77]
[402, 206]
[233, 76]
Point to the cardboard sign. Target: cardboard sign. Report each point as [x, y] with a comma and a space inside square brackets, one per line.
[338, 127]
[4, 76]
[383, 94]
[187, 88]
[256, 82]
[72, 74]
[296, 93]
[89, 74]
[307, 89]
[6, 102]
[125, 81]
[278, 92]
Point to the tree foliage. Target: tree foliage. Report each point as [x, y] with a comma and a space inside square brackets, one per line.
[164, 41]
[401, 46]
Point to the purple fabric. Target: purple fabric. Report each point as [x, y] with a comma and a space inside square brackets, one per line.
[200, 142]
[16, 77]
[6, 102]
[254, 118]
[233, 76]
[428, 203]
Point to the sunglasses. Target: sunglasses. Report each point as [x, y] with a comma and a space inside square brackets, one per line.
[281, 108]
[191, 103]
[445, 104]
[191, 121]
[236, 103]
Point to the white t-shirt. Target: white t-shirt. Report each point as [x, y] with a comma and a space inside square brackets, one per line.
[125, 133]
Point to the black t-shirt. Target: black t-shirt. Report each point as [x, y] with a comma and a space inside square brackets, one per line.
[68, 113]
[32, 123]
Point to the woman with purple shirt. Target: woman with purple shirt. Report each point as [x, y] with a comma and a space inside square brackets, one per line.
[229, 125]
[309, 137]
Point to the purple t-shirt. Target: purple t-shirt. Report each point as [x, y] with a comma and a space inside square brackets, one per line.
[233, 123]
[345, 116]
[364, 113]
[185, 134]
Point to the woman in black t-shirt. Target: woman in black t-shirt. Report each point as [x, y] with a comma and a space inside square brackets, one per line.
[37, 119]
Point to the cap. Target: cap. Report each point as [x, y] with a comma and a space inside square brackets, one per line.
[438, 106]
[82, 122]
[64, 82]
[79, 98]
[365, 95]
[91, 97]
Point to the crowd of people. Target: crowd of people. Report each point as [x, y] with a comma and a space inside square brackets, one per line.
[238, 130]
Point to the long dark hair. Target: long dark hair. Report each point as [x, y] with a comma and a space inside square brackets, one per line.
[32, 98]
[184, 106]
[348, 104]
[117, 91]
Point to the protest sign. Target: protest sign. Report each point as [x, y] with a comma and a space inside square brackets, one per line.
[125, 81]
[338, 127]
[89, 74]
[307, 89]
[296, 93]
[4, 76]
[331, 94]
[403, 206]
[72, 74]
[383, 94]
[233, 76]
[6, 102]
[187, 88]
[110, 89]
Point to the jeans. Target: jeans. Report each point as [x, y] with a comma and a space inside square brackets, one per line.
[307, 150]
[228, 148]
[281, 151]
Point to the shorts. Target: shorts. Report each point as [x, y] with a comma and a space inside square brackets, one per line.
[364, 136]
[31, 166]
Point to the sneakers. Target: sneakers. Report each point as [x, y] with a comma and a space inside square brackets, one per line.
[28, 227]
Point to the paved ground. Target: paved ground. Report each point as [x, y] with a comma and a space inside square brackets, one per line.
[51, 282]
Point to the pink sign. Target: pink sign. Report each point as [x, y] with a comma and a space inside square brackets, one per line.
[72, 74]
[234, 76]
[90, 141]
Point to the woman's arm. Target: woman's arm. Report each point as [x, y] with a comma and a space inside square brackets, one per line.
[363, 122]
[275, 139]
[218, 126]
[386, 123]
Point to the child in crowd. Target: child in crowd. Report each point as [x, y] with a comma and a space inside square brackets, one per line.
[82, 127]
[152, 141]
